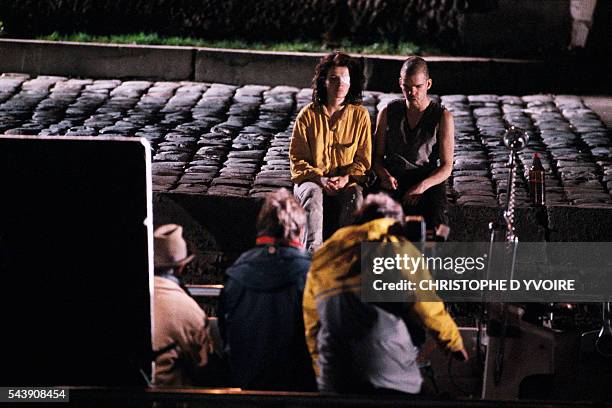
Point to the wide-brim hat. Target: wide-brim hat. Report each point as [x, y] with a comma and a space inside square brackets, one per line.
[169, 247]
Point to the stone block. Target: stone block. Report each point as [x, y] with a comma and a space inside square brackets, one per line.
[95, 60]
[579, 224]
[254, 67]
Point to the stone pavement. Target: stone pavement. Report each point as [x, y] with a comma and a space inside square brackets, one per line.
[218, 139]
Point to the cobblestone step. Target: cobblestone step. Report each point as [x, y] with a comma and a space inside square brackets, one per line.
[217, 139]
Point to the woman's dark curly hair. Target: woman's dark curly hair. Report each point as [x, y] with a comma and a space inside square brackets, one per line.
[338, 59]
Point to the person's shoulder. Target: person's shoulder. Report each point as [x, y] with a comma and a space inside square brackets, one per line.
[257, 256]
[296, 264]
[438, 106]
[163, 284]
[395, 106]
[308, 109]
[445, 114]
[306, 114]
[245, 258]
[383, 109]
[170, 296]
[299, 258]
[359, 110]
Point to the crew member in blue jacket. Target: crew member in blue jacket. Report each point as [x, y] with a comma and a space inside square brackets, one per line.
[260, 310]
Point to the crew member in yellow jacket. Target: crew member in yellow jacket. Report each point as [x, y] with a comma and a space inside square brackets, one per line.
[358, 347]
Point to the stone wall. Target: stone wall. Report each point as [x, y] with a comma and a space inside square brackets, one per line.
[464, 75]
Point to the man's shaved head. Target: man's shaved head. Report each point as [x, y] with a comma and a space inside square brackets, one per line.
[414, 65]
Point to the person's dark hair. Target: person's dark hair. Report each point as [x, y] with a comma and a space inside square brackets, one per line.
[412, 65]
[281, 216]
[379, 205]
[338, 59]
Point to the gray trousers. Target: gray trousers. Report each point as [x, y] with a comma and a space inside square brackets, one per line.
[312, 197]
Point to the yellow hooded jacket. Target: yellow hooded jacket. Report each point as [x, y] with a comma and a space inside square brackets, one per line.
[329, 276]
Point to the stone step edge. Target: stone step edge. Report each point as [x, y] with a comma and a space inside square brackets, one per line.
[466, 75]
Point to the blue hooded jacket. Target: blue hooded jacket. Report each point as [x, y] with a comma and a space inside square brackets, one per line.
[261, 321]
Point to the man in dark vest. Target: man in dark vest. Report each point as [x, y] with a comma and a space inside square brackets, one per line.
[415, 145]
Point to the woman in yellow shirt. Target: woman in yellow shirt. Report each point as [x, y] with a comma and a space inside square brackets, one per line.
[331, 145]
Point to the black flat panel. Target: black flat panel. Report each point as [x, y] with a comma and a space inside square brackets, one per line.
[75, 305]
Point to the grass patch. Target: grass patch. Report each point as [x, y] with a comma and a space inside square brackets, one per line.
[385, 48]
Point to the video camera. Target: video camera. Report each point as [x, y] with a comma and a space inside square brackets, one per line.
[415, 229]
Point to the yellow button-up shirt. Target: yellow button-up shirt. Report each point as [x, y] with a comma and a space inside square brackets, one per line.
[318, 149]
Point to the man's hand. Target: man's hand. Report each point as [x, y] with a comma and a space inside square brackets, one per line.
[413, 195]
[388, 182]
[461, 355]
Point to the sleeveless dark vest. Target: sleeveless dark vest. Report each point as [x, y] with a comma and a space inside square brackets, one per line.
[412, 152]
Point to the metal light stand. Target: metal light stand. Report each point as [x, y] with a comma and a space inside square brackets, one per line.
[514, 139]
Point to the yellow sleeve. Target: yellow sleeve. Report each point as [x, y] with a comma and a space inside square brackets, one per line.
[311, 321]
[431, 310]
[363, 154]
[299, 152]
[435, 317]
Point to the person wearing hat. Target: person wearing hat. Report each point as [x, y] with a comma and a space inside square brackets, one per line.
[180, 326]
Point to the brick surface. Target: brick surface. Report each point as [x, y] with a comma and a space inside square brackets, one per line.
[232, 140]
